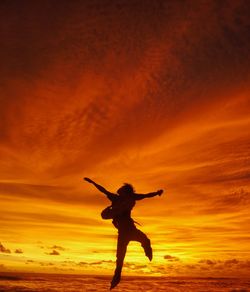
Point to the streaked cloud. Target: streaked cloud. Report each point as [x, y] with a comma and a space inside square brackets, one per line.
[58, 247]
[54, 252]
[171, 258]
[3, 249]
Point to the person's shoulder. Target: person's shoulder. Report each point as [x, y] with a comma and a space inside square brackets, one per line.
[136, 196]
[115, 198]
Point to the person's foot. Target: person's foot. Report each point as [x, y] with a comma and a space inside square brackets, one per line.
[148, 252]
[116, 280]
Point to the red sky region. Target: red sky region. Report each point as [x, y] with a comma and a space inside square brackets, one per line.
[154, 93]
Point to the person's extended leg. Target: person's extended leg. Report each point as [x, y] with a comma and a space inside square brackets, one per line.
[122, 244]
[138, 235]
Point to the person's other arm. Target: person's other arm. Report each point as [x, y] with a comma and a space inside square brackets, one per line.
[149, 195]
[100, 188]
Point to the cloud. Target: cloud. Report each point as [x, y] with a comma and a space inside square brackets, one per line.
[231, 262]
[64, 270]
[4, 249]
[58, 247]
[45, 264]
[171, 258]
[235, 201]
[18, 250]
[2, 267]
[146, 90]
[244, 265]
[81, 264]
[53, 252]
[42, 192]
[132, 266]
[205, 268]
[60, 217]
[70, 262]
[97, 263]
[207, 262]
[191, 266]
[224, 267]
[54, 248]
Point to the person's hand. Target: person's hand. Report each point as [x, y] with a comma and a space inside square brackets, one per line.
[159, 193]
[88, 180]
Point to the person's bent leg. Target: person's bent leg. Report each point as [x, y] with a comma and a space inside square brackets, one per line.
[138, 235]
[122, 244]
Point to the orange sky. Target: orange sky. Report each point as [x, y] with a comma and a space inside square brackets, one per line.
[147, 92]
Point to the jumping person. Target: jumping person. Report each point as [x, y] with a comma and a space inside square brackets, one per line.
[120, 211]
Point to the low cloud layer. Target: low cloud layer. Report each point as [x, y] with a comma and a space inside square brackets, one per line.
[171, 258]
[4, 249]
[54, 252]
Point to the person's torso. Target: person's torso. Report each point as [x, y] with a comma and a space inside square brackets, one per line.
[123, 219]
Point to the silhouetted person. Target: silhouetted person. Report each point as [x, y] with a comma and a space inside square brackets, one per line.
[120, 211]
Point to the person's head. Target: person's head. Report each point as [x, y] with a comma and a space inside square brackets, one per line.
[126, 190]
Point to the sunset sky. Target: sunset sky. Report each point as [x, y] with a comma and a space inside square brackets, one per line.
[153, 93]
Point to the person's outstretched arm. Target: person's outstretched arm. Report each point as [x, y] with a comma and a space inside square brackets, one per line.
[110, 195]
[149, 195]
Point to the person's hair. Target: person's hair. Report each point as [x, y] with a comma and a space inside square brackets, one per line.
[128, 188]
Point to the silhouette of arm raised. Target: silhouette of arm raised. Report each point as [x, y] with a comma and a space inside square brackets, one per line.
[149, 195]
[110, 195]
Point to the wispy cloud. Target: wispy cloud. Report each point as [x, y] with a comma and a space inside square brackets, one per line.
[58, 247]
[53, 252]
[171, 258]
[4, 249]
